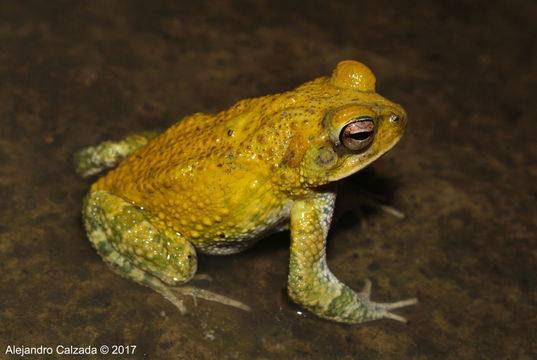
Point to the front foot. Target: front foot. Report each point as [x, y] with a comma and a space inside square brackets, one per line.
[382, 310]
[310, 282]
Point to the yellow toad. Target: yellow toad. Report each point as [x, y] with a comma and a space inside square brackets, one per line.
[217, 183]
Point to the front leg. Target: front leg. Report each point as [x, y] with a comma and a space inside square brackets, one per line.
[311, 284]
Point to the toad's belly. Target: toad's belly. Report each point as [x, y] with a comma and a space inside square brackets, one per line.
[238, 239]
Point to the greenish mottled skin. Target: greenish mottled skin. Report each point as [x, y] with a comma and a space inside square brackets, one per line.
[218, 183]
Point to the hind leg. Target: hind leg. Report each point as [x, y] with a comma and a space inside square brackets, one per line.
[93, 159]
[128, 242]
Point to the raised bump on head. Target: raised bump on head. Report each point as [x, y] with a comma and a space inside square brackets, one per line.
[354, 75]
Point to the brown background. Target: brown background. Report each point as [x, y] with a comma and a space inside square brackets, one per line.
[73, 73]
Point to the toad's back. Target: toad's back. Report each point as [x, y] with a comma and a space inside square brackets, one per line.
[207, 175]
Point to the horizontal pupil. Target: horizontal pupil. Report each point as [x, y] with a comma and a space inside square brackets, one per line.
[362, 135]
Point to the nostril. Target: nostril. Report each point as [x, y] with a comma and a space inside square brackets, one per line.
[395, 119]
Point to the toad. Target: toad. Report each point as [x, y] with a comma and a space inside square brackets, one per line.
[217, 183]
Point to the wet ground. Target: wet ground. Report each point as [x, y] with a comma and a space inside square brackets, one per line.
[76, 73]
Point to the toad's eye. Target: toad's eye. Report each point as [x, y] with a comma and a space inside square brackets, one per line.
[358, 134]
